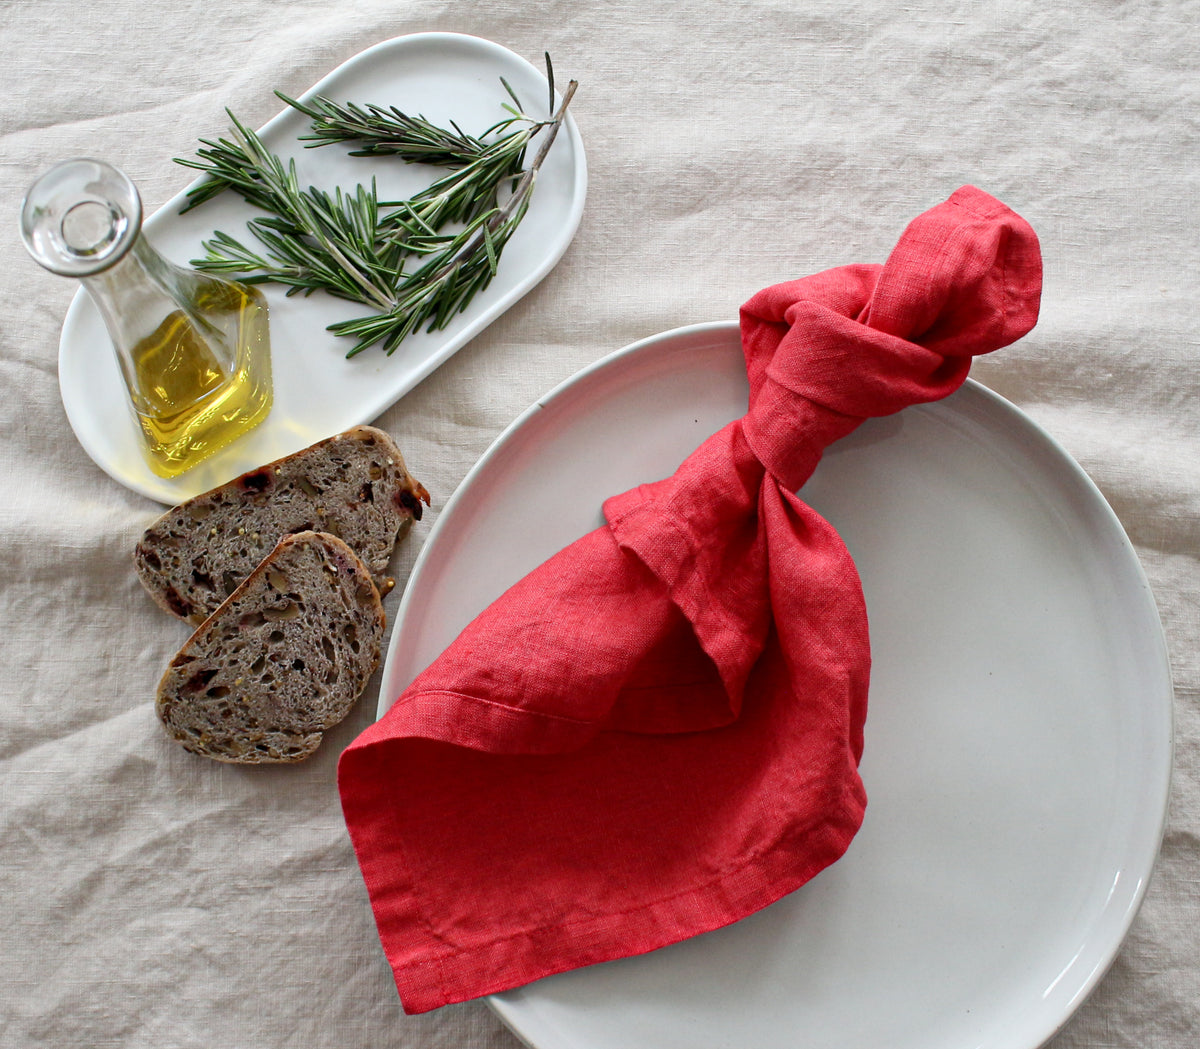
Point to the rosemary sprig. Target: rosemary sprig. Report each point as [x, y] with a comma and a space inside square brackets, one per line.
[441, 288]
[319, 241]
[445, 285]
[355, 246]
[385, 132]
[498, 154]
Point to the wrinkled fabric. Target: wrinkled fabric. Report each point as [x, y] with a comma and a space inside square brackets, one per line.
[658, 731]
[155, 901]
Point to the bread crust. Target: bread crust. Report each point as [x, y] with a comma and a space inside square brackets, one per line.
[354, 485]
[282, 660]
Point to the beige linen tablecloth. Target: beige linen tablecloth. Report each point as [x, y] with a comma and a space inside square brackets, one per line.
[155, 899]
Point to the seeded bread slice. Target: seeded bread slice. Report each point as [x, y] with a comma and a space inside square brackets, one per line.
[281, 661]
[354, 485]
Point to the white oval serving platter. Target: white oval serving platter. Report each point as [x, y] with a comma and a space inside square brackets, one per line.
[1018, 744]
[318, 392]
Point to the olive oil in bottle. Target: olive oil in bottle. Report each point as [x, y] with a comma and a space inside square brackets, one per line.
[193, 349]
[190, 403]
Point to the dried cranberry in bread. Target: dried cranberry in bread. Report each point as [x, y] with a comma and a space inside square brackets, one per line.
[354, 485]
[281, 661]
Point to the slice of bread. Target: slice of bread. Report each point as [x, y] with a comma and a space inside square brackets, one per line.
[354, 485]
[281, 661]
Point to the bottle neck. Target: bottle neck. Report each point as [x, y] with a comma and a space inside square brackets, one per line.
[134, 294]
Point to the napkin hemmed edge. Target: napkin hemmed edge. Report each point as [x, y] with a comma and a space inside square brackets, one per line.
[445, 975]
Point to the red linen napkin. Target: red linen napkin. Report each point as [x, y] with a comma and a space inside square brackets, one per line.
[658, 731]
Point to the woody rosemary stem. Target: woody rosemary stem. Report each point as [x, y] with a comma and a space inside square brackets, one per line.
[523, 187]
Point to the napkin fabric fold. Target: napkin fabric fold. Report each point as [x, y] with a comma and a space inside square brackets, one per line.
[658, 731]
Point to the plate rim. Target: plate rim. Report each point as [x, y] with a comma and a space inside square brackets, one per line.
[1159, 792]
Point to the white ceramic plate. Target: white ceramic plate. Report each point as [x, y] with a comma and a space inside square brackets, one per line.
[443, 76]
[1018, 745]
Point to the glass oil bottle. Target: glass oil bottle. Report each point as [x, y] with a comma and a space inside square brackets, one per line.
[193, 349]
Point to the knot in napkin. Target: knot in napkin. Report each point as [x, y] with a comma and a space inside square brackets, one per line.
[658, 731]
